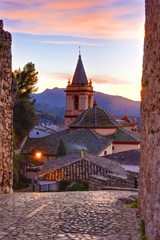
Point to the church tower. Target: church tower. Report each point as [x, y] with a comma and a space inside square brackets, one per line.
[79, 94]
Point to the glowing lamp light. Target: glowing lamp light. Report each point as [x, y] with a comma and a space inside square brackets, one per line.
[38, 155]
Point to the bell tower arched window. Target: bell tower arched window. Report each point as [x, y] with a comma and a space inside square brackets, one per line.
[89, 101]
[76, 102]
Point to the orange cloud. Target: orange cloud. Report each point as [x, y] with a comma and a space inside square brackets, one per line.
[55, 75]
[62, 78]
[102, 79]
[94, 19]
[105, 84]
[72, 4]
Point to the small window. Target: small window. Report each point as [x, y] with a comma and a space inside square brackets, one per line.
[112, 147]
[76, 102]
[105, 153]
[37, 133]
[89, 101]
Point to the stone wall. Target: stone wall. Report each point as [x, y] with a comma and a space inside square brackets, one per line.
[150, 123]
[97, 182]
[5, 112]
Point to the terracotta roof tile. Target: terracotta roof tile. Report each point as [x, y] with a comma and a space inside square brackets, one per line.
[122, 135]
[131, 157]
[74, 141]
[108, 164]
[95, 117]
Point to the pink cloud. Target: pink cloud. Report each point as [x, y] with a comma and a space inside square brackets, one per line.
[100, 79]
[102, 83]
[95, 19]
[56, 75]
[69, 42]
[72, 4]
[103, 79]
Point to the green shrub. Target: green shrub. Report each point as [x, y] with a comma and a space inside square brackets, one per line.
[142, 230]
[67, 185]
[22, 183]
[77, 186]
[63, 185]
[134, 204]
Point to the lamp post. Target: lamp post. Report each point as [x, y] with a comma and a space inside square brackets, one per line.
[38, 156]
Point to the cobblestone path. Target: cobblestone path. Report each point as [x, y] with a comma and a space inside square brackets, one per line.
[67, 216]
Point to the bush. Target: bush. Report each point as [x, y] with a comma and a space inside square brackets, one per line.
[142, 231]
[22, 183]
[67, 185]
[63, 185]
[77, 186]
[134, 203]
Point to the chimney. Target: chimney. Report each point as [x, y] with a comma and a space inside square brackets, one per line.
[83, 153]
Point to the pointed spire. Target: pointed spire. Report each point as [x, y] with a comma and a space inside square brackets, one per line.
[79, 75]
[79, 50]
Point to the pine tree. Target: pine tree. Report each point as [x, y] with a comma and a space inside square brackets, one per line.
[61, 149]
[23, 111]
[25, 81]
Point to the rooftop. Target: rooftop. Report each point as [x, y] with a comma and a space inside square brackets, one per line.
[122, 135]
[74, 142]
[108, 164]
[95, 117]
[131, 157]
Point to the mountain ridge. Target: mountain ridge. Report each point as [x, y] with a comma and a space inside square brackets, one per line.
[53, 101]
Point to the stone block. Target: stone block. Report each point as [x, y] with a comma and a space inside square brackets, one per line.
[6, 146]
[1, 24]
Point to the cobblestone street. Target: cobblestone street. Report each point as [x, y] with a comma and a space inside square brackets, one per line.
[67, 216]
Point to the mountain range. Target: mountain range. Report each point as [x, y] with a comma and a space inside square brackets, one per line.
[53, 101]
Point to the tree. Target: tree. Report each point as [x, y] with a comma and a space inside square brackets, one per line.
[61, 149]
[23, 110]
[25, 81]
[24, 117]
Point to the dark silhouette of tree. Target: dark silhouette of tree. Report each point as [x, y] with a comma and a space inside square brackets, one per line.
[25, 81]
[23, 111]
[61, 149]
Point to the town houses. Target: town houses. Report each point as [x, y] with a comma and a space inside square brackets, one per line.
[89, 132]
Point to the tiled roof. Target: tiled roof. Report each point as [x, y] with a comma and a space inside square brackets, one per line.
[122, 135]
[131, 157]
[85, 138]
[79, 75]
[124, 123]
[74, 142]
[126, 118]
[48, 145]
[108, 164]
[95, 117]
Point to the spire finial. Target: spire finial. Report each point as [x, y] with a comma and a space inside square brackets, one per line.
[79, 50]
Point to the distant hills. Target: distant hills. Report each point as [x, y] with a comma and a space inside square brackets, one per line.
[53, 101]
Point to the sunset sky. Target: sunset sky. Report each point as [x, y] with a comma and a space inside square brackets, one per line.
[110, 33]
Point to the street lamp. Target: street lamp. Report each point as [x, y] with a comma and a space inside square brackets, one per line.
[38, 155]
